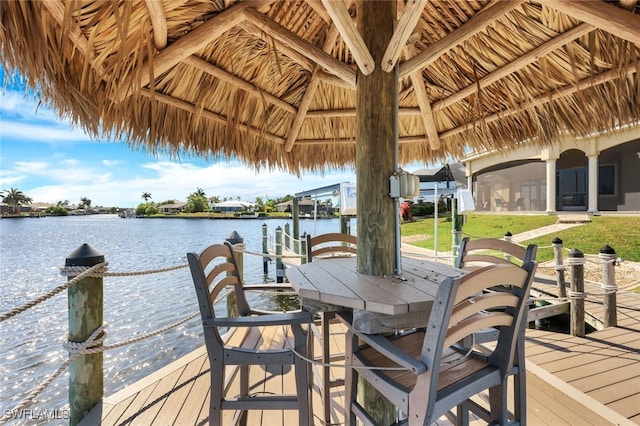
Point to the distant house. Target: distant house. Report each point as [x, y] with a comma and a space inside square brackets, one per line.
[232, 206]
[173, 208]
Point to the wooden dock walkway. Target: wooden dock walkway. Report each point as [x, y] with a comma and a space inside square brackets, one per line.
[571, 381]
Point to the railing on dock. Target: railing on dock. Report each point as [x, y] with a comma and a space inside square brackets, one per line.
[85, 342]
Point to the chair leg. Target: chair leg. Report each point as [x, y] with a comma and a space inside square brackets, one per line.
[244, 391]
[325, 318]
[216, 393]
[302, 378]
[498, 403]
[350, 379]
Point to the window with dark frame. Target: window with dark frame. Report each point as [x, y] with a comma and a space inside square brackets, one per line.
[607, 180]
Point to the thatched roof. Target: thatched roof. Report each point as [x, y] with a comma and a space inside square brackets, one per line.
[273, 82]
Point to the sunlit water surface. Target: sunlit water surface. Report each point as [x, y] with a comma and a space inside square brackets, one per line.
[31, 254]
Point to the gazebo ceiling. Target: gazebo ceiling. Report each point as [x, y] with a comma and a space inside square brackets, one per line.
[273, 82]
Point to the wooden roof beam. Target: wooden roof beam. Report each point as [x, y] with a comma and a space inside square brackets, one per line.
[189, 44]
[158, 23]
[352, 38]
[309, 94]
[425, 107]
[495, 10]
[607, 17]
[227, 77]
[524, 60]
[404, 29]
[280, 33]
[542, 99]
[186, 106]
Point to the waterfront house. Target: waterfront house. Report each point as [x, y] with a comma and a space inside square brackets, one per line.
[172, 208]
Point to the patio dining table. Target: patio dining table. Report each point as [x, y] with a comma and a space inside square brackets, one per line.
[379, 304]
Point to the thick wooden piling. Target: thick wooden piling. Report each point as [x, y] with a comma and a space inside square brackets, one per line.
[85, 304]
[577, 294]
[557, 256]
[609, 286]
[265, 251]
[295, 214]
[238, 246]
[279, 264]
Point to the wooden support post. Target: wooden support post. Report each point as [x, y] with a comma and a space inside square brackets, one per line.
[279, 265]
[557, 256]
[609, 286]
[577, 294]
[287, 236]
[265, 251]
[295, 213]
[507, 237]
[303, 248]
[238, 245]
[456, 230]
[85, 304]
[377, 159]
[345, 224]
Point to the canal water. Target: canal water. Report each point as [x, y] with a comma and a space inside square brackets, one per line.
[31, 254]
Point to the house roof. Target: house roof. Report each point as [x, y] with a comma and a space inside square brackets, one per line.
[280, 75]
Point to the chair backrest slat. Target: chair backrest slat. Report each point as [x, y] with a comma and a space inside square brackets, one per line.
[473, 254]
[333, 244]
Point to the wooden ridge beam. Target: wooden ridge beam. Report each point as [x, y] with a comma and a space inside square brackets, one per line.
[350, 112]
[495, 10]
[280, 33]
[405, 26]
[542, 99]
[607, 17]
[186, 106]
[352, 38]
[521, 62]
[158, 23]
[238, 82]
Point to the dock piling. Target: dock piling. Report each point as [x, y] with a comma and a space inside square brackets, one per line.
[279, 264]
[557, 256]
[265, 251]
[85, 307]
[609, 286]
[577, 295]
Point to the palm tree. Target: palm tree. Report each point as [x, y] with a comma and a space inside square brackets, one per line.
[85, 203]
[146, 196]
[15, 198]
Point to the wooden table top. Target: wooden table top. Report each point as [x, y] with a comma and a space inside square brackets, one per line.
[334, 281]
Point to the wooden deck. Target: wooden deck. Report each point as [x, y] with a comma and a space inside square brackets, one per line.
[587, 381]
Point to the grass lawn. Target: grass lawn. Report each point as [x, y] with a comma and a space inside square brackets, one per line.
[621, 233]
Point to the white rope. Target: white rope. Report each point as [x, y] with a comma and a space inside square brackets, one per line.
[276, 256]
[75, 270]
[36, 391]
[577, 295]
[88, 272]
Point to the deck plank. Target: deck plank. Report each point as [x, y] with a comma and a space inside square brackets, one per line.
[571, 380]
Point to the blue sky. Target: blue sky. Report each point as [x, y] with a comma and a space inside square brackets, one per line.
[49, 160]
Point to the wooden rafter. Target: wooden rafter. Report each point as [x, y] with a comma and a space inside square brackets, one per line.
[477, 23]
[607, 17]
[158, 23]
[521, 62]
[227, 77]
[280, 33]
[209, 115]
[404, 28]
[352, 38]
[542, 99]
[312, 87]
[187, 45]
[426, 112]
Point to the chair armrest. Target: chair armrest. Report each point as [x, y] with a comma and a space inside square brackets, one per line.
[385, 347]
[262, 320]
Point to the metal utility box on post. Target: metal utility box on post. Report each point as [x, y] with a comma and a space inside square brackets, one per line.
[85, 303]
